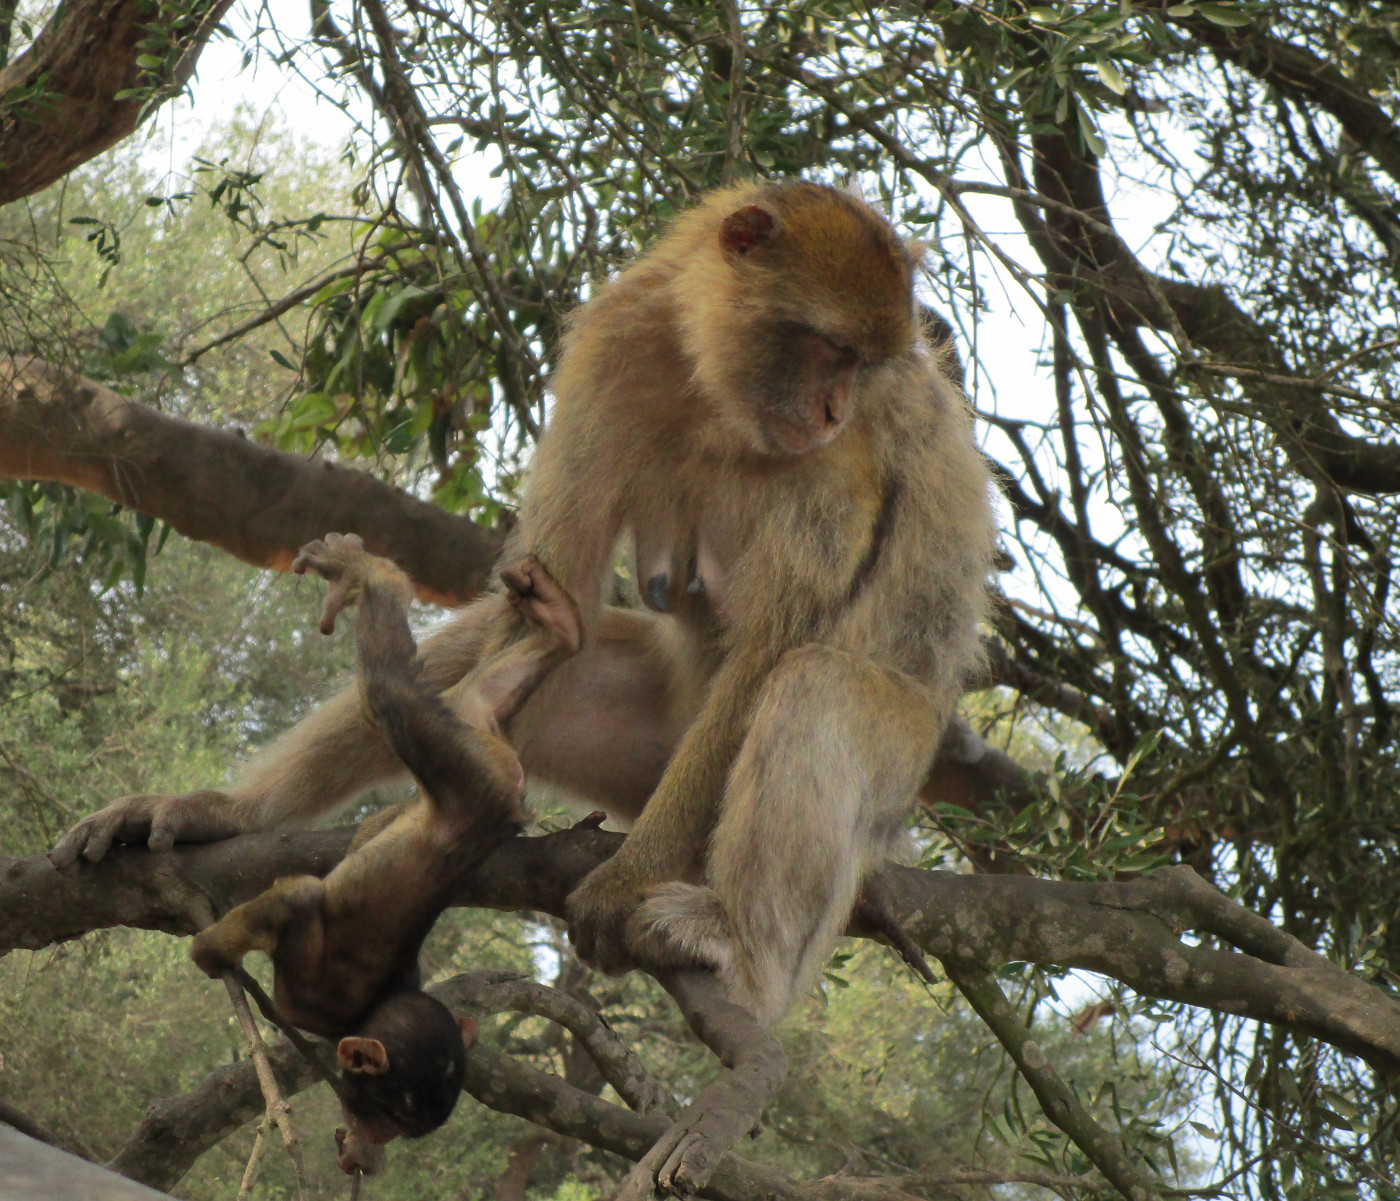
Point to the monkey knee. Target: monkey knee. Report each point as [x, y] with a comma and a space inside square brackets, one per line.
[813, 691]
[682, 925]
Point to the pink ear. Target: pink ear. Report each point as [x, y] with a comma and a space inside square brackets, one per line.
[363, 1056]
[745, 228]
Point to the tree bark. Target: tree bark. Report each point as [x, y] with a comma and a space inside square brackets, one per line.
[1129, 930]
[59, 101]
[258, 504]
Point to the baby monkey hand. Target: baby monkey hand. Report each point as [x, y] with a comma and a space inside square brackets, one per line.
[538, 599]
[344, 563]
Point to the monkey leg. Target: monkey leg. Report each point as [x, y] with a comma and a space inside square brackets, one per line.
[502, 684]
[602, 727]
[817, 796]
[329, 757]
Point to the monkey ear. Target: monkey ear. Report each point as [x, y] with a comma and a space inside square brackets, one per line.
[362, 1056]
[746, 228]
[469, 1028]
[914, 251]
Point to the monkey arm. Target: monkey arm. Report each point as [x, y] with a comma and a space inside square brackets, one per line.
[469, 774]
[572, 511]
[256, 925]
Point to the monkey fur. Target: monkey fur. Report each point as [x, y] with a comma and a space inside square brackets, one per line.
[345, 949]
[753, 404]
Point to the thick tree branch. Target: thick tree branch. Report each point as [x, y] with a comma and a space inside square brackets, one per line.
[259, 504]
[1296, 72]
[58, 100]
[1129, 931]
[178, 1130]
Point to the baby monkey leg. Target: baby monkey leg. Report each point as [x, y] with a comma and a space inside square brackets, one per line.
[400, 874]
[461, 759]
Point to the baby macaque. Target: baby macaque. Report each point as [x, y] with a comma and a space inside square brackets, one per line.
[345, 949]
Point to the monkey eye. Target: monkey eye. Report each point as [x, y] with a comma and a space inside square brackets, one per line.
[846, 355]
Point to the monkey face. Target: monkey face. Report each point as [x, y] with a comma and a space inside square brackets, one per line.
[813, 290]
[803, 391]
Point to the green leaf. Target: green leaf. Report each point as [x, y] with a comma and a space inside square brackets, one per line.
[1226, 15]
[1111, 77]
[1092, 139]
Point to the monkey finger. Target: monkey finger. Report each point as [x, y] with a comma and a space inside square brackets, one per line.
[66, 851]
[89, 839]
[162, 837]
[309, 556]
[521, 579]
[595, 948]
[336, 600]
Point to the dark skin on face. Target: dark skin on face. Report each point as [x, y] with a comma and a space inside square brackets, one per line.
[360, 1143]
[330, 979]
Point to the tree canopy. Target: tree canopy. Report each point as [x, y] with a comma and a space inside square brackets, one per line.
[1193, 212]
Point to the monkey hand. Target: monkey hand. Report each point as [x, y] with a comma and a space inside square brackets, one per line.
[600, 909]
[355, 1153]
[342, 561]
[158, 821]
[538, 599]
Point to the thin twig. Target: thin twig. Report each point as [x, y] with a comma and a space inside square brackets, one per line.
[250, 1172]
[289, 301]
[734, 118]
[1060, 1104]
[308, 1050]
[278, 1111]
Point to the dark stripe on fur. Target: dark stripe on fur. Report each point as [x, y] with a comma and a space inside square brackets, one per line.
[879, 535]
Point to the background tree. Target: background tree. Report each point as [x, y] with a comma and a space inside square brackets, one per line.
[1196, 208]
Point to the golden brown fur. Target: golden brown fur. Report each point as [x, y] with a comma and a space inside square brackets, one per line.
[752, 402]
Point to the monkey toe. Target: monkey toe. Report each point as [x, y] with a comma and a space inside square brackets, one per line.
[681, 1161]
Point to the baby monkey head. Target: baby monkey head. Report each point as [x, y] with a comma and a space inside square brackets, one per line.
[401, 1075]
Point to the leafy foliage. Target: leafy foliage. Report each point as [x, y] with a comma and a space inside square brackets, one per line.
[1192, 212]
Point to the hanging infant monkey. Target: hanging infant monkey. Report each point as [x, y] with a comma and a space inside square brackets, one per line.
[401, 1052]
[754, 403]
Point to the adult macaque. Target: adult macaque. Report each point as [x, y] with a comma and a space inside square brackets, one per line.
[752, 401]
[345, 949]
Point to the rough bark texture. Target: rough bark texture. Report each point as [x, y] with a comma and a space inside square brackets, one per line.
[58, 105]
[177, 1130]
[258, 504]
[1129, 931]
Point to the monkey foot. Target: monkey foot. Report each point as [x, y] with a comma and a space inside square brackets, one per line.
[683, 1159]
